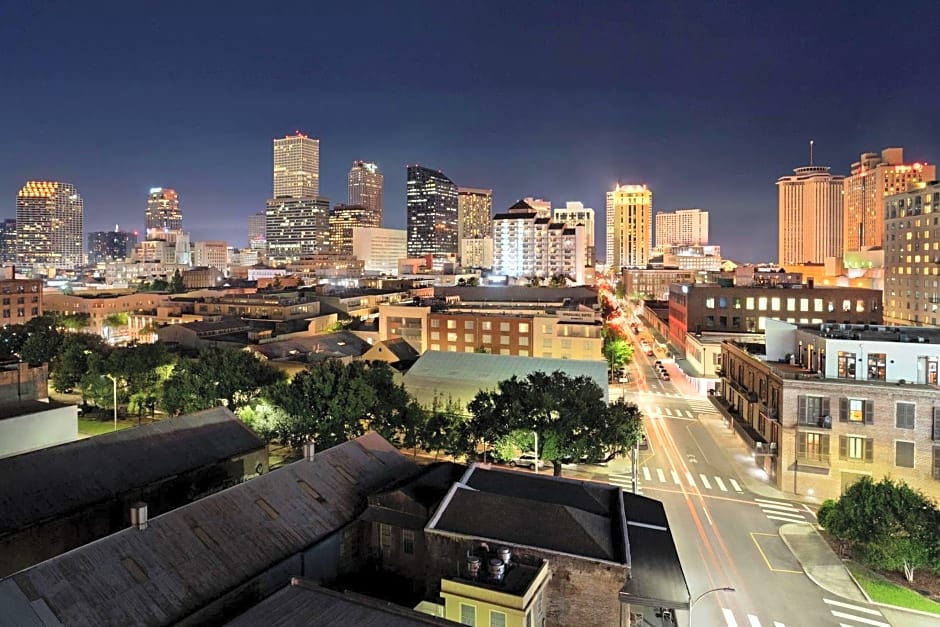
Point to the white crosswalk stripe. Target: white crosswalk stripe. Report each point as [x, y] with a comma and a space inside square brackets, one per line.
[653, 476]
[675, 477]
[646, 474]
[660, 475]
[721, 484]
[752, 619]
[837, 607]
[689, 414]
[729, 617]
[705, 482]
[688, 476]
[734, 484]
[781, 511]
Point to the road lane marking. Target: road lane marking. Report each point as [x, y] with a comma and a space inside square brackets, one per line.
[662, 477]
[753, 620]
[850, 606]
[688, 475]
[734, 484]
[705, 482]
[773, 502]
[721, 484]
[778, 508]
[729, 617]
[860, 619]
[675, 477]
[791, 520]
[646, 473]
[760, 550]
[777, 623]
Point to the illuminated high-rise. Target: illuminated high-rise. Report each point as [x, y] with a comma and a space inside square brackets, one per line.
[297, 227]
[343, 219]
[432, 213]
[873, 178]
[113, 245]
[576, 214]
[49, 225]
[629, 226]
[296, 167]
[163, 212]
[257, 230]
[682, 227]
[474, 219]
[365, 185]
[809, 219]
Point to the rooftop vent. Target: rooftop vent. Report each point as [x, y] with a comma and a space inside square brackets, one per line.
[496, 569]
[473, 566]
[309, 450]
[139, 515]
[505, 554]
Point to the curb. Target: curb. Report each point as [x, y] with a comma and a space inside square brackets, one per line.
[813, 578]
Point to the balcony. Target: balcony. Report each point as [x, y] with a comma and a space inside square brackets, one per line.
[816, 422]
[770, 413]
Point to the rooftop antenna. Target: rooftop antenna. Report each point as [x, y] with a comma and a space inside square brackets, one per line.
[811, 142]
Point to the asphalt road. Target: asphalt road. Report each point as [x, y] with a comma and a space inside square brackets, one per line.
[726, 535]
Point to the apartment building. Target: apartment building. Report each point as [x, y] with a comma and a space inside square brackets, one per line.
[526, 244]
[21, 300]
[843, 402]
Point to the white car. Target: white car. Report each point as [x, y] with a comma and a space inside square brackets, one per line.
[526, 460]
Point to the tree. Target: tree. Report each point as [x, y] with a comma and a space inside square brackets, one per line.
[617, 351]
[72, 362]
[176, 283]
[891, 525]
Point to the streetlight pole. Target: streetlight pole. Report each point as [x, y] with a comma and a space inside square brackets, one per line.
[699, 598]
[114, 382]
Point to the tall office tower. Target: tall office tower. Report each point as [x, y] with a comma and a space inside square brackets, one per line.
[629, 226]
[474, 216]
[297, 227]
[296, 167]
[8, 240]
[163, 213]
[343, 219]
[365, 186]
[912, 261]
[379, 249]
[683, 227]
[49, 219]
[256, 228]
[575, 214]
[874, 177]
[809, 219]
[113, 245]
[432, 213]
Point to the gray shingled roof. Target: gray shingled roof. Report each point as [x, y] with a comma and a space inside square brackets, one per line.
[52, 481]
[304, 604]
[193, 555]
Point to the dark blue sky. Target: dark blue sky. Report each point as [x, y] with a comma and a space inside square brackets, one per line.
[708, 105]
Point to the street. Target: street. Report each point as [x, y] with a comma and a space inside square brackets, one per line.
[726, 534]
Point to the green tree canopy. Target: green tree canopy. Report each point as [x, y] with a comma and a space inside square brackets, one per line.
[617, 351]
[176, 283]
[74, 359]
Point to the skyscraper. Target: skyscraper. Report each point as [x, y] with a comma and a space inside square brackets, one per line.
[163, 212]
[529, 245]
[365, 187]
[257, 231]
[8, 240]
[574, 214]
[110, 245]
[809, 216]
[474, 216]
[343, 219]
[432, 213]
[297, 227]
[49, 221]
[874, 177]
[629, 226]
[683, 227]
[296, 167]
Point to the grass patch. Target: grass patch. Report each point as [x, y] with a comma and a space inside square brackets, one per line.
[97, 427]
[882, 590]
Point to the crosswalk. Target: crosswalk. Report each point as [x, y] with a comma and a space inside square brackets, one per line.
[782, 511]
[752, 620]
[859, 615]
[664, 478]
[655, 411]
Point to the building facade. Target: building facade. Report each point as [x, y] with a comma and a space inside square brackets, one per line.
[365, 187]
[912, 256]
[49, 225]
[873, 178]
[652, 284]
[20, 300]
[710, 307]
[810, 208]
[528, 245]
[687, 257]
[212, 254]
[379, 249]
[432, 213]
[629, 226]
[297, 227]
[8, 240]
[114, 245]
[257, 228]
[296, 166]
[682, 227]
[474, 218]
[343, 219]
[576, 214]
[163, 213]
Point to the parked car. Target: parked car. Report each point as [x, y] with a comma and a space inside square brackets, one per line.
[665, 376]
[644, 442]
[657, 363]
[526, 460]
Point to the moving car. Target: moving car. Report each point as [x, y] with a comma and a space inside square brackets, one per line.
[526, 460]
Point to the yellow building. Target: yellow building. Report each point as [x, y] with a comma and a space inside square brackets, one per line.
[493, 593]
[629, 226]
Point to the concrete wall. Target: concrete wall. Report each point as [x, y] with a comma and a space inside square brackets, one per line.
[24, 382]
[29, 432]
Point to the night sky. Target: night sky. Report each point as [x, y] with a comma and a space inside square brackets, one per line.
[559, 100]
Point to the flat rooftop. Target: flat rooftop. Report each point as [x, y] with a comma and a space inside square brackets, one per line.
[874, 333]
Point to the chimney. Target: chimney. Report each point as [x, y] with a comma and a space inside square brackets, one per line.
[473, 566]
[504, 553]
[139, 515]
[496, 569]
[309, 449]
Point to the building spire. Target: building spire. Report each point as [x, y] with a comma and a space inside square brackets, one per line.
[811, 142]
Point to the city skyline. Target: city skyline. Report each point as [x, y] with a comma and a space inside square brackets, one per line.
[711, 87]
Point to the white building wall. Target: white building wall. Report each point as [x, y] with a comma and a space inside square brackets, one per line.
[30, 432]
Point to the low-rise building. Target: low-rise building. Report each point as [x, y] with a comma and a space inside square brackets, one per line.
[31, 425]
[21, 300]
[651, 284]
[824, 406]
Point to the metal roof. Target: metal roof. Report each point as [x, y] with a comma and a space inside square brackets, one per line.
[196, 554]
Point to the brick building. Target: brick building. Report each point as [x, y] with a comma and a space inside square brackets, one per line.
[711, 307]
[822, 407]
[20, 299]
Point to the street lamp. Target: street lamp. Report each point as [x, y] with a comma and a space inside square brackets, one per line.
[699, 598]
[114, 381]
